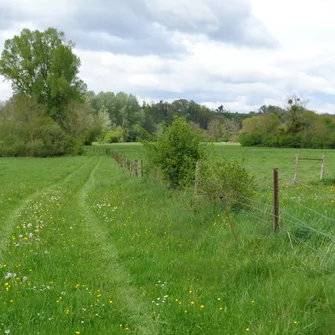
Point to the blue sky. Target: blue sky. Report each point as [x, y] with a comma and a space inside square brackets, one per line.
[241, 54]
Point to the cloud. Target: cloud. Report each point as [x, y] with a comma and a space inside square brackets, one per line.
[241, 54]
[141, 27]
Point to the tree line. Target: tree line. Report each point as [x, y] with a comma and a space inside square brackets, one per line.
[52, 113]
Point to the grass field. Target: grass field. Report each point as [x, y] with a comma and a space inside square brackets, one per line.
[85, 248]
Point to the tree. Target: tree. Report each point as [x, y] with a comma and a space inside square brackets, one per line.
[295, 111]
[43, 65]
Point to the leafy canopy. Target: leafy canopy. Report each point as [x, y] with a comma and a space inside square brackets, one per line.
[42, 65]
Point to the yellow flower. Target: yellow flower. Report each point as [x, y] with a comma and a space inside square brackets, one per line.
[11, 300]
[202, 306]
[67, 312]
[247, 329]
[192, 302]
[110, 301]
[221, 308]
[77, 333]
[219, 299]
[191, 291]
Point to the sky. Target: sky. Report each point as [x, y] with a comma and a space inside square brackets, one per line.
[241, 54]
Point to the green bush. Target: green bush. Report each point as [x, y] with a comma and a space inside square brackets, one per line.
[56, 141]
[220, 178]
[175, 153]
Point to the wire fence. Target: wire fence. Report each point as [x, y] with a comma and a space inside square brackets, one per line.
[291, 216]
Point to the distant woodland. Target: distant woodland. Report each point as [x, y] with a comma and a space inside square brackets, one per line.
[52, 113]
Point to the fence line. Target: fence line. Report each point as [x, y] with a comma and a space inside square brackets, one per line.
[309, 246]
[256, 209]
[308, 226]
[308, 208]
[316, 190]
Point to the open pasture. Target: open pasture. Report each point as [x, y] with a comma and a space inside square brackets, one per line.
[85, 248]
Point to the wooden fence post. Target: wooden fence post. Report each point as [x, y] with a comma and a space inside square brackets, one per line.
[197, 176]
[296, 168]
[142, 170]
[322, 173]
[275, 201]
[135, 168]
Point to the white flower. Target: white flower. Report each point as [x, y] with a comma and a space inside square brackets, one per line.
[7, 331]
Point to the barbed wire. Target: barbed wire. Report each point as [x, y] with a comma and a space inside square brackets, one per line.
[308, 208]
[316, 190]
[309, 246]
[308, 226]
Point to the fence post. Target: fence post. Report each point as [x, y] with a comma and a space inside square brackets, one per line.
[197, 175]
[275, 200]
[322, 173]
[135, 168]
[142, 171]
[296, 168]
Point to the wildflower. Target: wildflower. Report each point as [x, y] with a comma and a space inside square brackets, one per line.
[191, 291]
[127, 328]
[7, 331]
[110, 301]
[192, 302]
[202, 306]
[67, 312]
[221, 309]
[252, 301]
[77, 332]
[219, 299]
[295, 322]
[247, 329]
[11, 300]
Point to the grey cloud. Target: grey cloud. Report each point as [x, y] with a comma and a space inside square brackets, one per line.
[140, 27]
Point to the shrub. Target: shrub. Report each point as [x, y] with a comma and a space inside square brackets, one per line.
[175, 153]
[219, 177]
[56, 141]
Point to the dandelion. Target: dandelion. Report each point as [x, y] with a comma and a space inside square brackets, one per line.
[219, 299]
[191, 291]
[67, 312]
[77, 332]
[202, 306]
[127, 328]
[247, 329]
[192, 302]
[252, 301]
[110, 301]
[295, 322]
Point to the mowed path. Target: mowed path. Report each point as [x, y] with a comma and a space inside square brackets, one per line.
[60, 268]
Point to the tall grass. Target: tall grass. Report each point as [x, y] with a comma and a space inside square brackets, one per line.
[97, 251]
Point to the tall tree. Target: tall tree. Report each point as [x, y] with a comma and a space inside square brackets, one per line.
[43, 65]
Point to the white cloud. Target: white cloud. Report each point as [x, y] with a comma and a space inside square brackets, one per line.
[213, 70]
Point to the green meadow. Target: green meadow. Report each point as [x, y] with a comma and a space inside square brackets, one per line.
[86, 248]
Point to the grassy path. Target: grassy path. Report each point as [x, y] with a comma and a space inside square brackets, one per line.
[9, 220]
[61, 271]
